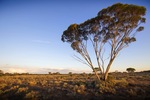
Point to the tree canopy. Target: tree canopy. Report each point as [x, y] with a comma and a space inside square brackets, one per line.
[130, 70]
[116, 26]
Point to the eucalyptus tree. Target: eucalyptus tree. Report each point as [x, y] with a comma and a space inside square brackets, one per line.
[130, 70]
[115, 26]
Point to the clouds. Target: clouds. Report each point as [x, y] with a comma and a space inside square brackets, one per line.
[16, 70]
[65, 71]
[38, 70]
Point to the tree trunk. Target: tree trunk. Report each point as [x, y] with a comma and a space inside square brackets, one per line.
[107, 70]
[96, 74]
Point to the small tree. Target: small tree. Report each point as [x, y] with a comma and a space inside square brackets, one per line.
[115, 26]
[1, 72]
[130, 70]
[70, 73]
[97, 69]
[57, 73]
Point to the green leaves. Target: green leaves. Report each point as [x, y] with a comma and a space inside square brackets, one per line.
[73, 27]
[70, 34]
[115, 22]
[130, 70]
[133, 39]
[143, 20]
[119, 17]
[141, 28]
[76, 46]
[128, 40]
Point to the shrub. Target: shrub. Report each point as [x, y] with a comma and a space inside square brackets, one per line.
[130, 70]
[122, 83]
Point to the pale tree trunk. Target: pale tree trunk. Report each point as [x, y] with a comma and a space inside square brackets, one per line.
[107, 70]
[96, 74]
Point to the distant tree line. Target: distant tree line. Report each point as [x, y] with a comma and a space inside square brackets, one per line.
[1, 72]
[55, 73]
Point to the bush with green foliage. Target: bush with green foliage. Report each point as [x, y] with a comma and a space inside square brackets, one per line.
[130, 70]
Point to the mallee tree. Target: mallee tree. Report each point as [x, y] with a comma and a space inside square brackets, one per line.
[115, 26]
[130, 70]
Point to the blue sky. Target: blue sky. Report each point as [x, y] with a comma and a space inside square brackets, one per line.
[30, 35]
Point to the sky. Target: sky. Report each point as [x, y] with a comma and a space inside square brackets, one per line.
[30, 36]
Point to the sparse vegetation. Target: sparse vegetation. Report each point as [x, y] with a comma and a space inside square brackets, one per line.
[114, 28]
[76, 86]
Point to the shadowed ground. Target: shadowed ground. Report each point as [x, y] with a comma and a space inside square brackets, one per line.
[134, 86]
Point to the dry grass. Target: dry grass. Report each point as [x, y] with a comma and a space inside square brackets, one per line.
[81, 87]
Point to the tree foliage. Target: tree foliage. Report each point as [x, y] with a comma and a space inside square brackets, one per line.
[97, 69]
[130, 70]
[115, 26]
